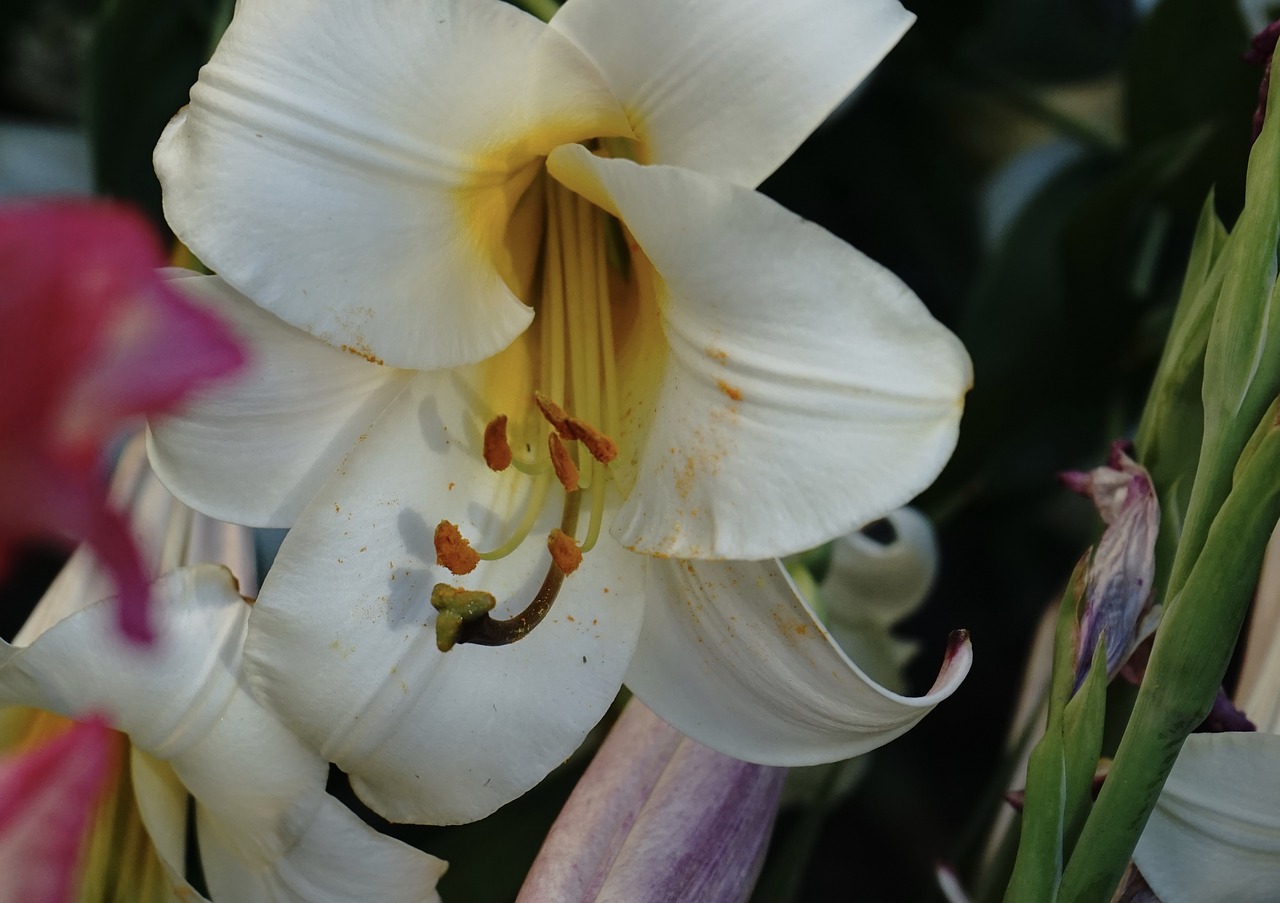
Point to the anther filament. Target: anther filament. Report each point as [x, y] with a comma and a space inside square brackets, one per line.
[567, 426]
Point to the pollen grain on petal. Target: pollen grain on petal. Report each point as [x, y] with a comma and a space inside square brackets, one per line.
[453, 551]
[733, 392]
[566, 470]
[564, 551]
[602, 448]
[497, 450]
[555, 415]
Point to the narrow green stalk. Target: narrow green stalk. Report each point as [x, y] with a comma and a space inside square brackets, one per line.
[1039, 863]
[1190, 657]
[1241, 366]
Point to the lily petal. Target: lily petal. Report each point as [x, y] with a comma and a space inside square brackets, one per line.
[162, 805]
[166, 699]
[342, 644]
[269, 832]
[778, 331]
[338, 858]
[255, 450]
[731, 89]
[872, 585]
[732, 656]
[1215, 833]
[370, 155]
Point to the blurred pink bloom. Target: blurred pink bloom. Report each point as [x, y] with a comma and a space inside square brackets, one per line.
[47, 796]
[93, 337]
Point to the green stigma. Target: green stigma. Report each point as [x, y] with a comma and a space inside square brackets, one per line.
[456, 607]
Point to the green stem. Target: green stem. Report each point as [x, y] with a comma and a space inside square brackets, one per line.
[1190, 657]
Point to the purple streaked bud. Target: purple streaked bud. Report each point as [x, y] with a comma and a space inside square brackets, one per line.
[1118, 586]
[657, 817]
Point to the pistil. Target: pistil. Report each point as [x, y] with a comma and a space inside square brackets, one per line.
[484, 630]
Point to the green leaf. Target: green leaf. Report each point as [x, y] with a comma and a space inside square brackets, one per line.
[1188, 661]
[1083, 724]
[1242, 357]
[1172, 428]
[1039, 863]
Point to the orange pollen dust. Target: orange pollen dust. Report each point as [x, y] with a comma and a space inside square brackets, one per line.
[453, 551]
[497, 450]
[602, 448]
[566, 470]
[564, 551]
[555, 415]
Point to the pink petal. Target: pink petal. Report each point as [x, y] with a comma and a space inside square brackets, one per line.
[47, 798]
[94, 334]
[93, 337]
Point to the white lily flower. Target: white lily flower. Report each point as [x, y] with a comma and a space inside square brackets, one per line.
[552, 306]
[267, 830]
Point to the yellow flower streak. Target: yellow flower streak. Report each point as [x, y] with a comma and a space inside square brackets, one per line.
[573, 333]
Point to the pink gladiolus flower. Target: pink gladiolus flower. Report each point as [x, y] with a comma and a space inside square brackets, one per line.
[47, 796]
[93, 337]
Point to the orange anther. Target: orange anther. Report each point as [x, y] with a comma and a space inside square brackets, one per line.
[555, 414]
[564, 551]
[602, 448]
[453, 551]
[497, 450]
[566, 470]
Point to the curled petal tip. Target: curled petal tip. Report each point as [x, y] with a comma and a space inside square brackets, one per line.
[956, 662]
[959, 647]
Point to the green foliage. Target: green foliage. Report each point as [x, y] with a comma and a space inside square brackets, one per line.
[144, 58]
[1225, 344]
[1062, 765]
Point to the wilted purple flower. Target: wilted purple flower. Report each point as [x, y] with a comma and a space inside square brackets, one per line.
[1121, 572]
[657, 817]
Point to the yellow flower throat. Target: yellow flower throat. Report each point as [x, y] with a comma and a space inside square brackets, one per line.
[564, 426]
